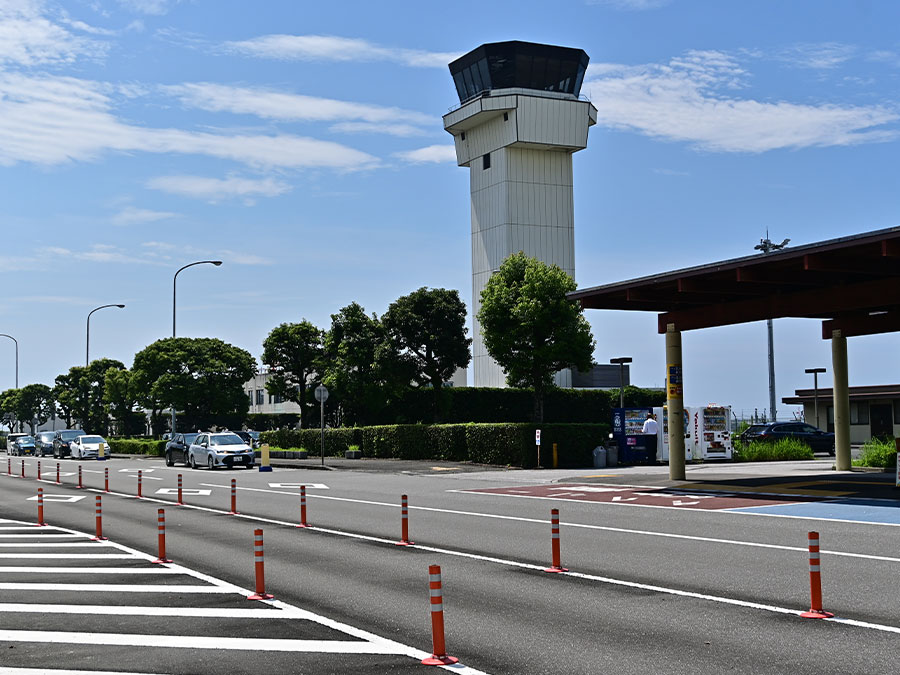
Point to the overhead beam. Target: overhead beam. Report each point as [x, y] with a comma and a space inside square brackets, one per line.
[867, 265]
[778, 277]
[819, 302]
[867, 324]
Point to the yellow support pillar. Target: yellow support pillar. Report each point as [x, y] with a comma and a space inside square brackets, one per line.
[841, 391]
[675, 402]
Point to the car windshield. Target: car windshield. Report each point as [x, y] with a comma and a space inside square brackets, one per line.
[190, 438]
[254, 435]
[47, 436]
[230, 439]
[70, 435]
[26, 439]
[92, 439]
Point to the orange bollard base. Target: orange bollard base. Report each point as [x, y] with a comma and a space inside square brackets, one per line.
[816, 614]
[303, 525]
[260, 596]
[99, 538]
[557, 569]
[404, 542]
[435, 660]
[160, 561]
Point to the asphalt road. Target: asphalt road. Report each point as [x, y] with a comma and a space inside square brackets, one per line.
[654, 586]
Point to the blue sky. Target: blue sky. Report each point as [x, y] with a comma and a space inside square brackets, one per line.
[301, 143]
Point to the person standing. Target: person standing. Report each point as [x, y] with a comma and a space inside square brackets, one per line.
[650, 430]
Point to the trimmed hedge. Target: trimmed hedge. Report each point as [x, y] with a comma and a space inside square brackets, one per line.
[783, 449]
[509, 444]
[128, 446]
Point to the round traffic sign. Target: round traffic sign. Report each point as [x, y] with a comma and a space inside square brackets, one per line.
[321, 394]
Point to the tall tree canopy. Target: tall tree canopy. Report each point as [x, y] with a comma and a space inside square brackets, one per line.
[203, 378]
[34, 405]
[120, 395]
[80, 394]
[361, 366]
[429, 326]
[293, 351]
[530, 328]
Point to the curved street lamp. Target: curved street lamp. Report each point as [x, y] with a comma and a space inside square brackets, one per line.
[17, 355]
[174, 281]
[87, 342]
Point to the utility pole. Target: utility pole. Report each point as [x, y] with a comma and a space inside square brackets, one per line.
[767, 246]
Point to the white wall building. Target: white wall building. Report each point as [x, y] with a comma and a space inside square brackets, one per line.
[261, 401]
[519, 122]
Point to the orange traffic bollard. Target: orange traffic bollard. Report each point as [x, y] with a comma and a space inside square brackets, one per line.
[303, 522]
[99, 517]
[140, 483]
[23, 468]
[57, 473]
[180, 501]
[40, 496]
[80, 484]
[815, 582]
[106, 479]
[404, 522]
[161, 536]
[39, 469]
[259, 560]
[554, 541]
[439, 656]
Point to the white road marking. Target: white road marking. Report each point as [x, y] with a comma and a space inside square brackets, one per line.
[37, 533]
[58, 544]
[68, 556]
[541, 521]
[116, 588]
[65, 499]
[132, 610]
[134, 471]
[157, 569]
[134, 475]
[309, 486]
[49, 671]
[185, 491]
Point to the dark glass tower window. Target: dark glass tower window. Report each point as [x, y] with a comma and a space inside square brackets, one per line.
[524, 65]
[486, 161]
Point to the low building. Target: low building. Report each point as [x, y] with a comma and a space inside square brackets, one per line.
[262, 402]
[874, 410]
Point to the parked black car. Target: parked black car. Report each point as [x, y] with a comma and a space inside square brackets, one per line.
[251, 438]
[43, 443]
[818, 440]
[177, 448]
[61, 440]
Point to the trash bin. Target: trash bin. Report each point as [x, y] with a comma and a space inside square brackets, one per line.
[612, 455]
[599, 457]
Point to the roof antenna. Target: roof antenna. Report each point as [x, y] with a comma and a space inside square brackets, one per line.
[768, 246]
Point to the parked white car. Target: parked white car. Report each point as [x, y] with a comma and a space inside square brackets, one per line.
[84, 447]
[220, 449]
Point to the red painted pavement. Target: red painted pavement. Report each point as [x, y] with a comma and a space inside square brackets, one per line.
[644, 496]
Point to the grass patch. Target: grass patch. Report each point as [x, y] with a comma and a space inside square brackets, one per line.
[784, 449]
[878, 453]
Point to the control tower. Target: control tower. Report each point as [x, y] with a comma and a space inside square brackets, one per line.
[518, 123]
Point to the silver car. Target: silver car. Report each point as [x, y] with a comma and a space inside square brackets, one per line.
[220, 449]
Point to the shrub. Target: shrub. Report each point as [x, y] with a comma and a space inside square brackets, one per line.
[781, 450]
[129, 446]
[878, 452]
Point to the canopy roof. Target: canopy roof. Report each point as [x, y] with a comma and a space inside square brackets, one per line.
[852, 283]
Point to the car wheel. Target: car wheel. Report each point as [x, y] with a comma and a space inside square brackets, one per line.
[193, 461]
[169, 460]
[210, 464]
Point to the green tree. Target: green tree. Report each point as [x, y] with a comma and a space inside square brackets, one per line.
[120, 396]
[203, 378]
[80, 394]
[34, 402]
[361, 366]
[9, 406]
[529, 326]
[428, 326]
[292, 351]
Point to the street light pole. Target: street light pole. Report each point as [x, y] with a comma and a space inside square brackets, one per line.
[621, 360]
[87, 341]
[174, 282]
[815, 373]
[767, 246]
[17, 355]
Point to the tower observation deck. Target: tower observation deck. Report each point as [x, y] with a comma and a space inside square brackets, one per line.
[519, 121]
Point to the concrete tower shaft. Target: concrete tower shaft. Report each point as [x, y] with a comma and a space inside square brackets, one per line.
[517, 143]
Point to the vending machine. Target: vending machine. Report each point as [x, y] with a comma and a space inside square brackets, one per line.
[635, 447]
[710, 434]
[662, 445]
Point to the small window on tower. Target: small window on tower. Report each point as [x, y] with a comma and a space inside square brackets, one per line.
[506, 117]
[462, 136]
[486, 161]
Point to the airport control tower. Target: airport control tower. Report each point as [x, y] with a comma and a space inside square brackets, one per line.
[518, 123]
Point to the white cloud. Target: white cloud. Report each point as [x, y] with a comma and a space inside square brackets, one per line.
[131, 215]
[218, 189]
[51, 120]
[28, 38]
[157, 7]
[99, 253]
[377, 128]
[819, 56]
[432, 153]
[281, 106]
[683, 101]
[334, 48]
